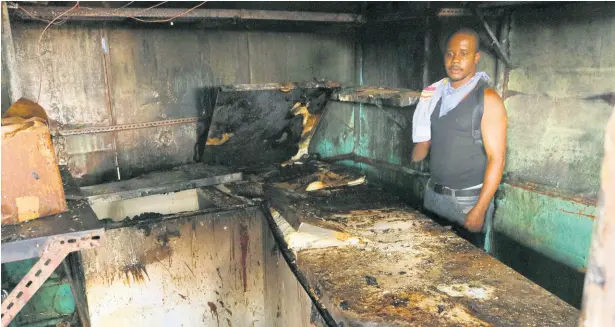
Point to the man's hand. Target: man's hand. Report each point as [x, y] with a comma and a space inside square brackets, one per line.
[475, 220]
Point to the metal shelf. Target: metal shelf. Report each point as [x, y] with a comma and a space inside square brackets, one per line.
[51, 238]
[29, 239]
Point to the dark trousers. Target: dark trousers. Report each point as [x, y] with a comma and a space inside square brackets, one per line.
[454, 209]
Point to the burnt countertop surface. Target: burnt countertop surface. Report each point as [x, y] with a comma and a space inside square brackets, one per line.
[411, 271]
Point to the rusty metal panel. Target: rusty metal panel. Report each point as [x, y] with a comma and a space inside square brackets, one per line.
[207, 270]
[31, 182]
[181, 15]
[260, 125]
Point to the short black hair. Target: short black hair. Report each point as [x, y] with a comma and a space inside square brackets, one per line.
[469, 31]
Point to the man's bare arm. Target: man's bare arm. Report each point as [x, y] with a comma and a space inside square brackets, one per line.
[493, 128]
[420, 150]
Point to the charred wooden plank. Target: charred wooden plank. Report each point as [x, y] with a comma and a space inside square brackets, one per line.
[378, 96]
[262, 125]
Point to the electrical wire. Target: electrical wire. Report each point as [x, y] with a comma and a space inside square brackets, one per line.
[39, 18]
[53, 22]
[124, 6]
[40, 84]
[169, 19]
[146, 9]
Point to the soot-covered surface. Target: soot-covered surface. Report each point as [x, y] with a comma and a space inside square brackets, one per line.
[260, 125]
[411, 271]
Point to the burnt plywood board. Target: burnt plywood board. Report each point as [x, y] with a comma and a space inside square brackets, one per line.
[261, 125]
[218, 269]
[379, 96]
[412, 271]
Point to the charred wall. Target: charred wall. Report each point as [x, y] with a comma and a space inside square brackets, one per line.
[101, 74]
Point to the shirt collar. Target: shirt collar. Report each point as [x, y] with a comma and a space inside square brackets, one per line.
[448, 89]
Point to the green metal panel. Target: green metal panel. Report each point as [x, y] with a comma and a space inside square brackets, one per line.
[385, 133]
[335, 133]
[558, 228]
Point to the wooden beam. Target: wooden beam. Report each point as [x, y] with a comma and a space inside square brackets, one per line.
[499, 49]
[84, 13]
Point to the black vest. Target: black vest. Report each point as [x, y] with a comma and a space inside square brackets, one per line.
[457, 155]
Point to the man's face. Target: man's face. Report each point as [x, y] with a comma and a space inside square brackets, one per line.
[461, 57]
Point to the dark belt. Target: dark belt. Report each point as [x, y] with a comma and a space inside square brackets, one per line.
[441, 189]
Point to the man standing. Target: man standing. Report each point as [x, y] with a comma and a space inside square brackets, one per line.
[461, 122]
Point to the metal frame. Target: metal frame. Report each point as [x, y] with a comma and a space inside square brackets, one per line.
[233, 15]
[52, 255]
[181, 178]
[51, 238]
[126, 127]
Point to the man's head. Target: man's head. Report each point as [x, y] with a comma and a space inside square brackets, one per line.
[462, 54]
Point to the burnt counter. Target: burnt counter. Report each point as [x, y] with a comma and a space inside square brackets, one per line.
[407, 270]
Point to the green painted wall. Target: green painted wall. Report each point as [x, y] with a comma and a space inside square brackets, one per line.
[335, 133]
[556, 227]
